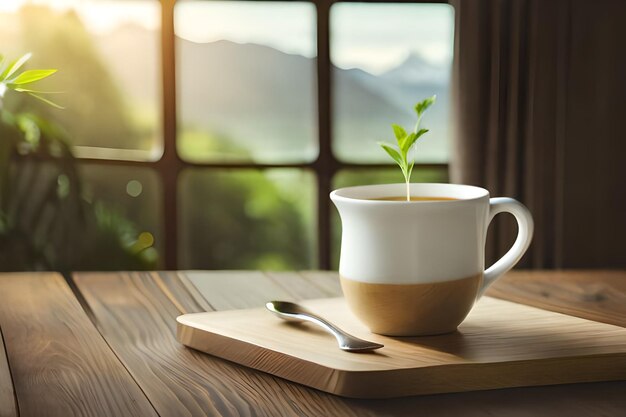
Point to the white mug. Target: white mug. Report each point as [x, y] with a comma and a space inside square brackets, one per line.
[412, 268]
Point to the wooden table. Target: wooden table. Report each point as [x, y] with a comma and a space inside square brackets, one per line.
[103, 344]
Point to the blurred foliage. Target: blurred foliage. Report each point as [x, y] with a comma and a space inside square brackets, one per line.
[243, 220]
[240, 219]
[195, 144]
[45, 223]
[368, 176]
[96, 113]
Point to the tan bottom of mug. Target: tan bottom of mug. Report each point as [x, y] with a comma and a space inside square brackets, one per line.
[412, 309]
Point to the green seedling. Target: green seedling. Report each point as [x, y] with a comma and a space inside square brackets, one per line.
[405, 141]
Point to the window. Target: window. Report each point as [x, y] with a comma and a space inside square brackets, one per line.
[385, 57]
[247, 218]
[218, 128]
[107, 54]
[246, 81]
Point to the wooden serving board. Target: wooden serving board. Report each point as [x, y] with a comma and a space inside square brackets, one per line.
[501, 344]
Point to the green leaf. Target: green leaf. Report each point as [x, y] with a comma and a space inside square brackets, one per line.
[407, 142]
[29, 127]
[420, 133]
[45, 100]
[28, 90]
[421, 107]
[398, 131]
[30, 76]
[15, 65]
[393, 152]
[414, 137]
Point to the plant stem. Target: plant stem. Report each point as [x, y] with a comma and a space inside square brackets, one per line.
[408, 189]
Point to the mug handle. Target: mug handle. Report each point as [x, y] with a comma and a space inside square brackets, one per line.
[525, 227]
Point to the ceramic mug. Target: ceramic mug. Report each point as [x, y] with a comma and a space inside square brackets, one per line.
[411, 268]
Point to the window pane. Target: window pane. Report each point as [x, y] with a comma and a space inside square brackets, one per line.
[246, 81]
[107, 56]
[352, 177]
[247, 219]
[387, 57]
[63, 216]
[126, 203]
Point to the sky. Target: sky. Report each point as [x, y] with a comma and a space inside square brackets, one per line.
[377, 37]
[373, 37]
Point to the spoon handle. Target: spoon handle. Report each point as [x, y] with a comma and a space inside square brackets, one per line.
[294, 312]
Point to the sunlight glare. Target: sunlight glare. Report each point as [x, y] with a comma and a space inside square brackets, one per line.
[101, 16]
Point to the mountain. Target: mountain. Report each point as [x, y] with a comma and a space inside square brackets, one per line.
[265, 100]
[416, 70]
[399, 88]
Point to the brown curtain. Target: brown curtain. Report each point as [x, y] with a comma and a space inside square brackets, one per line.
[541, 116]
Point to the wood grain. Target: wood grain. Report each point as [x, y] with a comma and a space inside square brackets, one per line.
[257, 394]
[300, 288]
[60, 365]
[594, 295]
[578, 399]
[326, 280]
[251, 288]
[138, 319]
[500, 345]
[8, 406]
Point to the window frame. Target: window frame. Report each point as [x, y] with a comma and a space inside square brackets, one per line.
[169, 165]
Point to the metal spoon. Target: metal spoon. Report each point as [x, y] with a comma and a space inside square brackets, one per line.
[294, 312]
